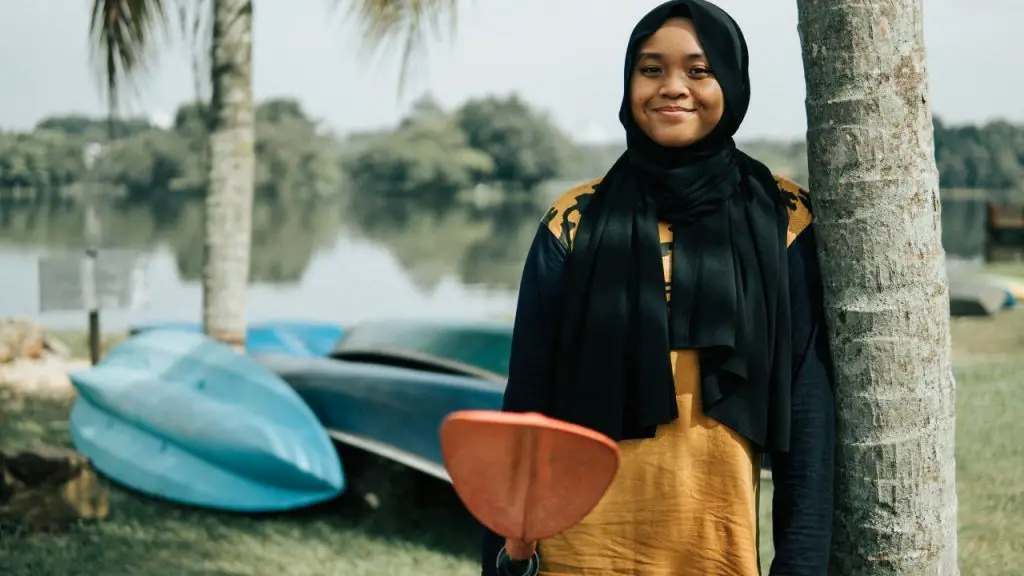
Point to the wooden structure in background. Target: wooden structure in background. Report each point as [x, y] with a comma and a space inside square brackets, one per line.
[985, 224]
[1005, 232]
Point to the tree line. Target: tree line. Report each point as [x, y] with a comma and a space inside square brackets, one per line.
[433, 157]
[145, 163]
[432, 154]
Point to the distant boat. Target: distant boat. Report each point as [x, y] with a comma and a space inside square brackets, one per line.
[1013, 286]
[306, 339]
[179, 416]
[975, 292]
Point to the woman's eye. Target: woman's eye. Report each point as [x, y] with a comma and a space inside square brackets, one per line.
[700, 72]
[650, 70]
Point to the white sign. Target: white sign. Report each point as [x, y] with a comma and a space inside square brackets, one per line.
[115, 279]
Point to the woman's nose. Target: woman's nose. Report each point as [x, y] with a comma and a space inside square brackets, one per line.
[675, 87]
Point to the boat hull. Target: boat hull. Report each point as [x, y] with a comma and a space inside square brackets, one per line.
[179, 416]
[391, 411]
[305, 339]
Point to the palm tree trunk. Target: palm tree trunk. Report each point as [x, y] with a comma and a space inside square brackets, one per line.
[876, 194]
[229, 198]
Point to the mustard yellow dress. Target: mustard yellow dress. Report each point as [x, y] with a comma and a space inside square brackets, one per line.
[684, 503]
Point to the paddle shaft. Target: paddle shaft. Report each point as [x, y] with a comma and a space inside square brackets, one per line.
[529, 566]
[519, 550]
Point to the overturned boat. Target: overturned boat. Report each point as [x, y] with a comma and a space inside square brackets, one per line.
[388, 385]
[179, 416]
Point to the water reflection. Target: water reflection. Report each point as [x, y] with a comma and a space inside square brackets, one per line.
[478, 245]
[318, 258]
[326, 258]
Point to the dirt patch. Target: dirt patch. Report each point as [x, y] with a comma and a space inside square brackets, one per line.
[25, 378]
[33, 362]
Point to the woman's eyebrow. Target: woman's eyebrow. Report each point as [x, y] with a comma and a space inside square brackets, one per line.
[659, 56]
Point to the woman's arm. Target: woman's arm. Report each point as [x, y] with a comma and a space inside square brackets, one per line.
[533, 344]
[803, 502]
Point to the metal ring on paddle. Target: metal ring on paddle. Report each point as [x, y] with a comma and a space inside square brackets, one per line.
[532, 569]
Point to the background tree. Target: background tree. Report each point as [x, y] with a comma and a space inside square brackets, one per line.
[40, 161]
[526, 147]
[875, 192]
[94, 128]
[423, 165]
[124, 32]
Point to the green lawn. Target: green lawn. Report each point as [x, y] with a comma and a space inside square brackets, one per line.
[1006, 268]
[428, 533]
[148, 537]
[77, 341]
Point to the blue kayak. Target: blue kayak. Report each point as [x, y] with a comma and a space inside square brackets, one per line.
[179, 416]
[391, 411]
[388, 385]
[305, 339]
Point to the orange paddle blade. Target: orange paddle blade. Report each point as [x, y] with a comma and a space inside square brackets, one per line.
[526, 476]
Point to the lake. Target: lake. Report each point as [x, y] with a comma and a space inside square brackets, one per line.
[311, 260]
[319, 259]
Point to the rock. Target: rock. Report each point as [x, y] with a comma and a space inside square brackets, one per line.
[20, 338]
[24, 339]
[49, 488]
[46, 377]
[57, 347]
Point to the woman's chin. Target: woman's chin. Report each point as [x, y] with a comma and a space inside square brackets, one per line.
[676, 138]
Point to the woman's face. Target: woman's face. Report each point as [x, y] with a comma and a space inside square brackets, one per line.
[674, 96]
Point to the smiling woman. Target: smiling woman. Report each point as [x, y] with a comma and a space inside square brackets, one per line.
[674, 96]
[674, 306]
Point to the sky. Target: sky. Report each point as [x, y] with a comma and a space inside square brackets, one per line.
[562, 56]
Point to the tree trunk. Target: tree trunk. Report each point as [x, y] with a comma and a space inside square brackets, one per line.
[229, 197]
[876, 199]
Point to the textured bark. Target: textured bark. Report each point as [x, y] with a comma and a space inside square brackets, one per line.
[229, 197]
[876, 199]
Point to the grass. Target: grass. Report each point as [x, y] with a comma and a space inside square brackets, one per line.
[990, 466]
[425, 530]
[982, 337]
[1015, 269]
[77, 341]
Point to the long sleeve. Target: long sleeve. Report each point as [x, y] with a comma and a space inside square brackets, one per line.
[803, 504]
[534, 337]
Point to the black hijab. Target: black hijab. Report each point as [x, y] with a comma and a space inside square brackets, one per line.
[729, 294]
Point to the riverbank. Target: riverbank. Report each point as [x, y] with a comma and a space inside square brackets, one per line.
[424, 530]
[36, 361]
[999, 334]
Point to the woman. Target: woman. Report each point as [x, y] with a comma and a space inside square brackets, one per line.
[675, 306]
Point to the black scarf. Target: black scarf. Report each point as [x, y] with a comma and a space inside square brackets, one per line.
[729, 296]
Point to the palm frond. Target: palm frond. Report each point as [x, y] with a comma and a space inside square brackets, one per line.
[196, 24]
[123, 34]
[407, 21]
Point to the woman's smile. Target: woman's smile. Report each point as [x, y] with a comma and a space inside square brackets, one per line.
[674, 112]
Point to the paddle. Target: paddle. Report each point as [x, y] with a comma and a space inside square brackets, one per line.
[526, 476]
